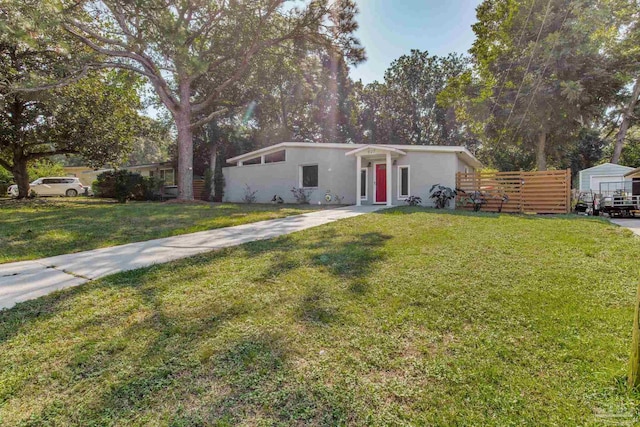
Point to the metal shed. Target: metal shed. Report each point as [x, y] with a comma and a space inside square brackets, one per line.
[590, 179]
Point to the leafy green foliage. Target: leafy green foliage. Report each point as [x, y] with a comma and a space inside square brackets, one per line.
[545, 73]
[441, 195]
[124, 185]
[404, 109]
[44, 167]
[197, 54]
[413, 200]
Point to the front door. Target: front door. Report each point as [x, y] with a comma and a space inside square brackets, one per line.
[381, 183]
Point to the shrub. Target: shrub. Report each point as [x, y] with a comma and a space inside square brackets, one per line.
[475, 198]
[123, 185]
[302, 196]
[441, 195]
[413, 201]
[218, 185]
[208, 183]
[249, 195]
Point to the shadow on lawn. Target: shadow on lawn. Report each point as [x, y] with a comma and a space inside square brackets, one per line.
[252, 372]
[166, 353]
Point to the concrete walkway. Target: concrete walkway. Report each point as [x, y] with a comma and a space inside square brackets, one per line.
[632, 224]
[22, 281]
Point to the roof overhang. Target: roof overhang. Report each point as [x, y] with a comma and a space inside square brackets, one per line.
[633, 173]
[373, 150]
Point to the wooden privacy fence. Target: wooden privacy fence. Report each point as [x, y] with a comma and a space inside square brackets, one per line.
[546, 192]
[198, 190]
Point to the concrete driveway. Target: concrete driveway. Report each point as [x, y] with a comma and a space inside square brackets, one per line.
[22, 281]
[632, 224]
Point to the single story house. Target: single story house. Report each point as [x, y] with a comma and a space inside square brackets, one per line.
[612, 177]
[634, 176]
[162, 170]
[357, 174]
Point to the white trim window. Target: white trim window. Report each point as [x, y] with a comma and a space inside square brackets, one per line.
[364, 184]
[404, 182]
[309, 176]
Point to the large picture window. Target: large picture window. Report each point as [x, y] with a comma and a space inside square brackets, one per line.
[403, 182]
[363, 184]
[309, 176]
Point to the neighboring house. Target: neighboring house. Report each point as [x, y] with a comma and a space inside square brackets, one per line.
[161, 170]
[608, 174]
[356, 173]
[84, 173]
[634, 176]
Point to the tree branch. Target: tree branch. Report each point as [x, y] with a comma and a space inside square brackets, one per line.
[61, 83]
[208, 118]
[39, 155]
[159, 83]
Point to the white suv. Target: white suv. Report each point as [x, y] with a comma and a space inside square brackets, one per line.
[53, 186]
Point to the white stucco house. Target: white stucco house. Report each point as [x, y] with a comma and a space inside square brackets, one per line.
[610, 174]
[358, 174]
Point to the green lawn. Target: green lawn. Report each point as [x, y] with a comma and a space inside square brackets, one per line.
[404, 317]
[45, 227]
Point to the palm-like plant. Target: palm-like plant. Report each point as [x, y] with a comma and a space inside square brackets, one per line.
[441, 195]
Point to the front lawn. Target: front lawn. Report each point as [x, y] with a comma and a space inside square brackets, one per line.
[402, 317]
[53, 226]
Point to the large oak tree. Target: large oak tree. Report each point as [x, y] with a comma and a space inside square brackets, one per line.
[46, 109]
[193, 52]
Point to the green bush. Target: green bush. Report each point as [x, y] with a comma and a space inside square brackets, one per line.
[123, 185]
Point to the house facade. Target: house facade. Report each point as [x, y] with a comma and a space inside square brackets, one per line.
[161, 170]
[355, 174]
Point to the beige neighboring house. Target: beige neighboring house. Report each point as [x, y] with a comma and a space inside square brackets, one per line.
[161, 170]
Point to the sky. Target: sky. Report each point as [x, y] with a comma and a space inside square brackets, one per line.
[391, 28]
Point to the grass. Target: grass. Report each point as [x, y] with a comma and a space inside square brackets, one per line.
[404, 317]
[46, 227]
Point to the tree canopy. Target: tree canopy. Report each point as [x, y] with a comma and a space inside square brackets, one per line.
[93, 116]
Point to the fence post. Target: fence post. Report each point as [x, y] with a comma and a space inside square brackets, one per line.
[568, 184]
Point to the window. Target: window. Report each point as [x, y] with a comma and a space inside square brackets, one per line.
[363, 184]
[151, 174]
[167, 176]
[278, 156]
[254, 161]
[403, 182]
[309, 176]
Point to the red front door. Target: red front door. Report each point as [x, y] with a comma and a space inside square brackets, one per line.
[381, 183]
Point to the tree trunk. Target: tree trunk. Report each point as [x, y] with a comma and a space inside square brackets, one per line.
[626, 121]
[185, 155]
[541, 156]
[213, 161]
[21, 176]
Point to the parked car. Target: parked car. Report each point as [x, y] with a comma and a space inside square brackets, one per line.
[52, 186]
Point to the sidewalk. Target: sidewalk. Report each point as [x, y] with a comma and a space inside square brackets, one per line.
[632, 224]
[22, 281]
